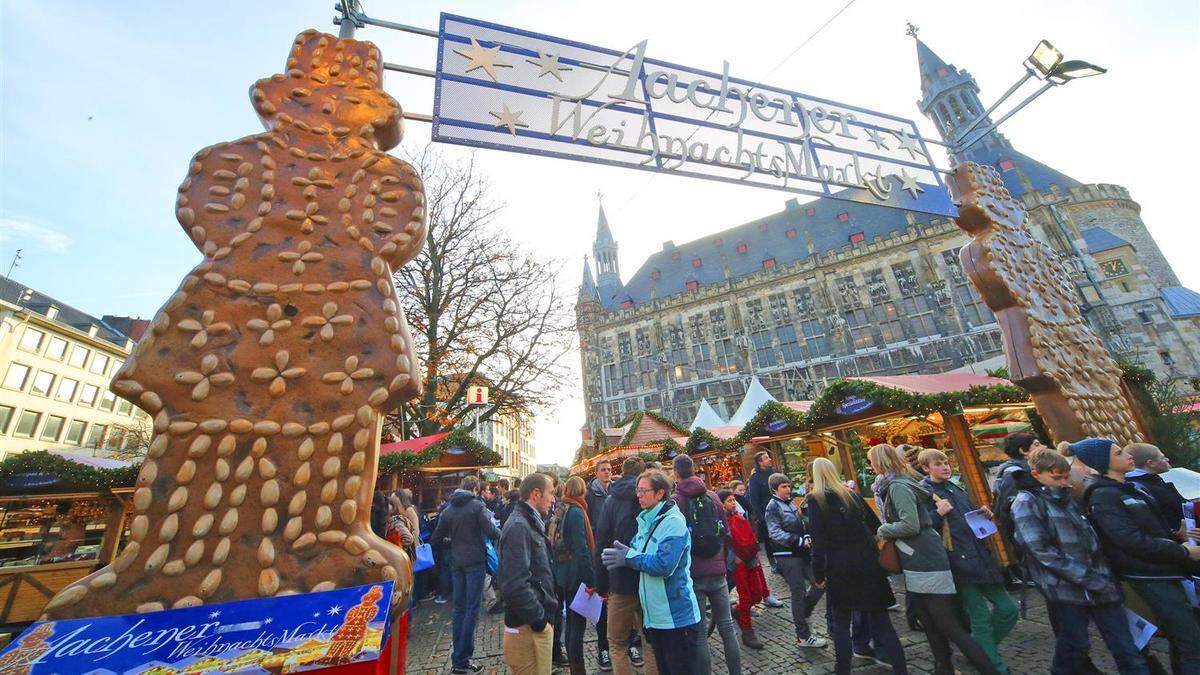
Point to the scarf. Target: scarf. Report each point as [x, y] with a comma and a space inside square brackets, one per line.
[587, 522]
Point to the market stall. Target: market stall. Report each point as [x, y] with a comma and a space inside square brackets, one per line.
[432, 466]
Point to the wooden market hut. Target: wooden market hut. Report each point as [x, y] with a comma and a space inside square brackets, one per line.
[432, 466]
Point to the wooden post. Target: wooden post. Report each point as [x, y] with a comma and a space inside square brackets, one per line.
[114, 524]
[973, 475]
[844, 458]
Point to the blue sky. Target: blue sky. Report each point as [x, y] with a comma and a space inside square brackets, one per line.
[103, 103]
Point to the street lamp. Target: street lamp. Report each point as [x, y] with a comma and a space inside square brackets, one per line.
[1044, 63]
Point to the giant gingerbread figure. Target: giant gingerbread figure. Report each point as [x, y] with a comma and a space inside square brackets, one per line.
[1050, 348]
[267, 371]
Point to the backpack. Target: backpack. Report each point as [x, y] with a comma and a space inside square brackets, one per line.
[707, 526]
[558, 545]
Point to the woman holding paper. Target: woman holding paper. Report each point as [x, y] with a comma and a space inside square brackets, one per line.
[573, 549]
[976, 573]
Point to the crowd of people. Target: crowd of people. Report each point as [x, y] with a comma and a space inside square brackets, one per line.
[671, 560]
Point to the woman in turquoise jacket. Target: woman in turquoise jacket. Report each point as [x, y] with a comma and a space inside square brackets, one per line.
[661, 552]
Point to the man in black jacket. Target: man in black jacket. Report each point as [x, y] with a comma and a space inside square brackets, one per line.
[1149, 462]
[597, 494]
[618, 521]
[465, 522]
[526, 580]
[1142, 549]
[759, 494]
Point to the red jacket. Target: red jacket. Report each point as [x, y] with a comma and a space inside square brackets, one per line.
[751, 584]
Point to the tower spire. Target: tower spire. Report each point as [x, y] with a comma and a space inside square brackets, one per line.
[949, 96]
[608, 274]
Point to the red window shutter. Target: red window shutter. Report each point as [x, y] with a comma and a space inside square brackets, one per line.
[1006, 164]
[655, 274]
[810, 211]
[843, 217]
[791, 234]
[674, 255]
[762, 227]
[627, 304]
[718, 241]
[769, 263]
[695, 262]
[741, 248]
[857, 237]
[691, 285]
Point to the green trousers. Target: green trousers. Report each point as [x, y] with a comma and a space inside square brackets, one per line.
[993, 615]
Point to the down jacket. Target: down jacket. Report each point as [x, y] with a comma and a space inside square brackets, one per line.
[662, 553]
[1133, 533]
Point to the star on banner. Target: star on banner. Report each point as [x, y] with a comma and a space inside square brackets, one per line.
[213, 615]
[509, 118]
[908, 143]
[549, 65]
[877, 138]
[483, 57]
[909, 183]
[336, 609]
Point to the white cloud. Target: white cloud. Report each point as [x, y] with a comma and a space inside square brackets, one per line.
[19, 232]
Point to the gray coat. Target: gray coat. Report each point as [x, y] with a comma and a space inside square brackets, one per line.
[524, 578]
[785, 527]
[465, 522]
[906, 505]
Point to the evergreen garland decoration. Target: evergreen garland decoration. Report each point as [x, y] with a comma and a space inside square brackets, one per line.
[71, 476]
[460, 438]
[699, 437]
[635, 420]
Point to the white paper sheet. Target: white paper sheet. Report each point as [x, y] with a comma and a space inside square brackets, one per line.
[587, 605]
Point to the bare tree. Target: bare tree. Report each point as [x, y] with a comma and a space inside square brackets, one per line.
[483, 311]
[128, 441]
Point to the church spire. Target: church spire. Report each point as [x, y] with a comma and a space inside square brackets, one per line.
[950, 97]
[608, 272]
[587, 289]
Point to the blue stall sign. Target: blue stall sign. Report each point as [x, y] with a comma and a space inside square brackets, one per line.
[853, 405]
[285, 634]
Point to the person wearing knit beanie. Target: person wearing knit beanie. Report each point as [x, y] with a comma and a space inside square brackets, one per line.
[1095, 452]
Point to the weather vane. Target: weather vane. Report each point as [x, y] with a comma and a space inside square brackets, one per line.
[912, 30]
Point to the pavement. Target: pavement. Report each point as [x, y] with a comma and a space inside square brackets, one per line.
[1028, 649]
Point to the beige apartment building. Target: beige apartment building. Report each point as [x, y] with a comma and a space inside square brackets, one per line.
[55, 366]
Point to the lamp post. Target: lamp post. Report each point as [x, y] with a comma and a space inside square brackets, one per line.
[1044, 63]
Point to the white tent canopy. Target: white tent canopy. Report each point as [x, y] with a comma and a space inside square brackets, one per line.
[756, 397]
[706, 417]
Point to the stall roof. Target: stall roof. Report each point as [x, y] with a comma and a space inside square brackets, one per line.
[940, 383]
[413, 445]
[756, 397]
[94, 462]
[801, 406]
[706, 417]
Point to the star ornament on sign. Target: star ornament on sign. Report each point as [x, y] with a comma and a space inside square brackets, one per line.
[909, 183]
[877, 138]
[908, 143]
[509, 118]
[483, 57]
[549, 65]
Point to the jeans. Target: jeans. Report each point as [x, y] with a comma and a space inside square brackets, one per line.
[713, 591]
[875, 624]
[939, 618]
[989, 625]
[573, 636]
[798, 574]
[1176, 620]
[527, 652]
[677, 650]
[625, 619]
[602, 629]
[860, 631]
[1071, 642]
[468, 593]
[445, 570]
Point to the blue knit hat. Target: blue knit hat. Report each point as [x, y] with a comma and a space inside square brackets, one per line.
[1094, 452]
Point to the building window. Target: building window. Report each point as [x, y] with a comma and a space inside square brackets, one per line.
[762, 349]
[778, 307]
[66, 389]
[115, 439]
[75, 432]
[655, 275]
[718, 241]
[6, 413]
[742, 248]
[695, 262]
[857, 238]
[56, 349]
[87, 396]
[769, 263]
[1145, 317]
[1006, 165]
[53, 428]
[877, 286]
[674, 255]
[809, 211]
[99, 364]
[788, 344]
[627, 304]
[791, 233]
[96, 435]
[843, 217]
[762, 227]
[906, 279]
[692, 285]
[78, 356]
[42, 382]
[107, 401]
[27, 424]
[31, 341]
[15, 379]
[941, 72]
[1166, 358]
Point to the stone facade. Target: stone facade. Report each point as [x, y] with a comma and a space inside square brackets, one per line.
[825, 289]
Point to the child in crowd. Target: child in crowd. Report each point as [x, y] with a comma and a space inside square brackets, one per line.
[1063, 556]
[747, 572]
[977, 575]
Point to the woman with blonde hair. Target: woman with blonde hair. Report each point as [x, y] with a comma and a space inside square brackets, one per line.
[906, 506]
[844, 560]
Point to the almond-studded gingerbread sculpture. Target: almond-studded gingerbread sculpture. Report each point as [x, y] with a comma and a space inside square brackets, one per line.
[1050, 348]
[267, 372]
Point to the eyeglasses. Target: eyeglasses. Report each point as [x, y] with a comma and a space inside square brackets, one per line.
[642, 491]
